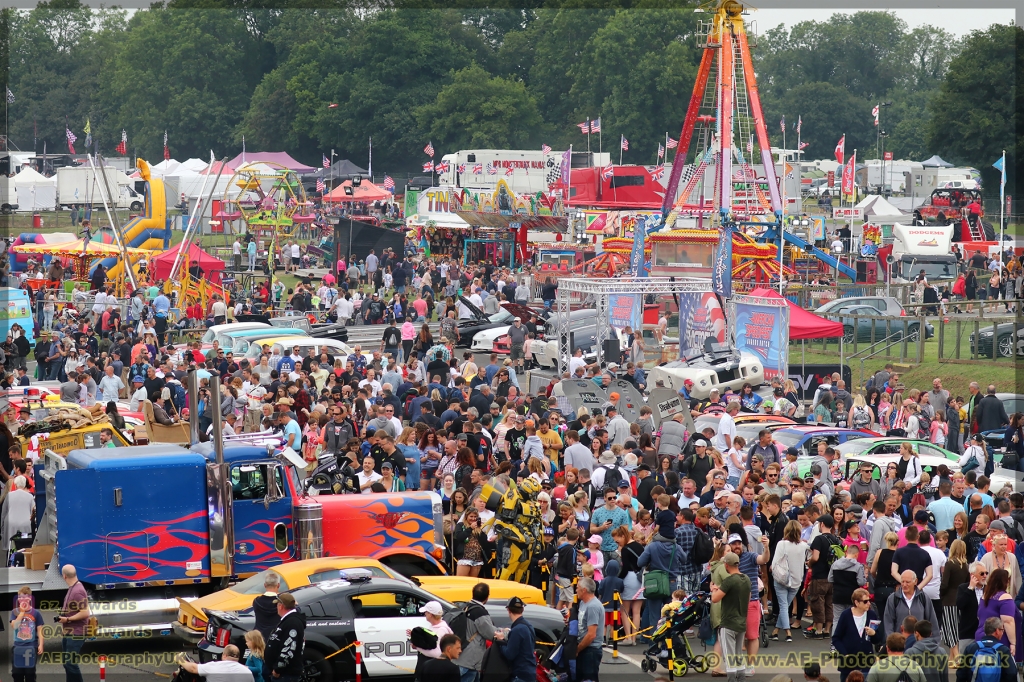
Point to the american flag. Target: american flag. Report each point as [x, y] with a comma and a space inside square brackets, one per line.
[320, 185]
[462, 168]
[608, 171]
[167, 150]
[657, 173]
[799, 121]
[595, 125]
[122, 147]
[428, 167]
[389, 184]
[326, 162]
[624, 144]
[782, 123]
[544, 149]
[509, 171]
[661, 151]
[71, 140]
[804, 145]
[491, 169]
[429, 150]
[584, 127]
[478, 169]
[750, 146]
[671, 144]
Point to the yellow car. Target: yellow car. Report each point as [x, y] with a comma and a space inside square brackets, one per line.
[191, 622]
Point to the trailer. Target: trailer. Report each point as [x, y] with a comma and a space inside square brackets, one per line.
[81, 186]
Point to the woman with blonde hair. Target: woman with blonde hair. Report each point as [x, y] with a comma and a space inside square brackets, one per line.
[822, 503]
[860, 415]
[955, 573]
[787, 568]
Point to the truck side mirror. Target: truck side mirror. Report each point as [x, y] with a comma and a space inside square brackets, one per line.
[274, 492]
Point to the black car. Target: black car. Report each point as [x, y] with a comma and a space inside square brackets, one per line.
[374, 611]
[481, 321]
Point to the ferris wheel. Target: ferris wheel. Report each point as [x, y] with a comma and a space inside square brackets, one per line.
[269, 197]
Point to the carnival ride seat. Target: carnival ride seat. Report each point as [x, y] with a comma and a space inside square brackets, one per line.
[162, 433]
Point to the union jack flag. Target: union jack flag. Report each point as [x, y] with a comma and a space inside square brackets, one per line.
[71, 140]
[608, 171]
[544, 149]
[671, 144]
[428, 167]
[440, 167]
[661, 151]
[508, 172]
[803, 145]
[478, 168]
[327, 162]
[320, 185]
[429, 150]
[462, 168]
[584, 127]
[658, 172]
[595, 125]
[491, 169]
[624, 144]
[389, 184]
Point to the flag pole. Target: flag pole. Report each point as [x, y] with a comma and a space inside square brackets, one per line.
[589, 163]
[369, 169]
[1002, 208]
[785, 201]
[622, 137]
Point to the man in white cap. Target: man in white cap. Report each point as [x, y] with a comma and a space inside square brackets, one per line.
[433, 613]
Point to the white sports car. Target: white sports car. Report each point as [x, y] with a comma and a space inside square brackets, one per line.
[483, 342]
[729, 373]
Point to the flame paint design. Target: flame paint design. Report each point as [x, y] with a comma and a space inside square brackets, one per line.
[378, 524]
[258, 537]
[157, 552]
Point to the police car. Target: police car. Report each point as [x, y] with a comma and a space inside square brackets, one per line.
[362, 607]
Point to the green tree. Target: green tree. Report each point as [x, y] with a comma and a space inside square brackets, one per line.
[190, 73]
[478, 111]
[974, 116]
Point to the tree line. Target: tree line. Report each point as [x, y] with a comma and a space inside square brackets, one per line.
[308, 79]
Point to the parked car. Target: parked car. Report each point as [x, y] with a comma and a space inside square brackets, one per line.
[886, 445]
[886, 305]
[929, 464]
[1012, 402]
[1004, 340]
[805, 438]
[376, 612]
[481, 321]
[860, 322]
[484, 341]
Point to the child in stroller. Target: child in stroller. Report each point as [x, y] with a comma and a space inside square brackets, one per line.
[683, 613]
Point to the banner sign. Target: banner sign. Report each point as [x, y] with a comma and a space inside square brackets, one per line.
[721, 271]
[807, 378]
[584, 393]
[625, 310]
[855, 212]
[761, 329]
[700, 316]
[664, 403]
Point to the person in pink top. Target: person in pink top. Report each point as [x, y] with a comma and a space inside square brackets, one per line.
[408, 337]
[921, 521]
[420, 306]
[853, 538]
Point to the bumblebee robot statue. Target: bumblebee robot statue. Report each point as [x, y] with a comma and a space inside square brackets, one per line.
[517, 525]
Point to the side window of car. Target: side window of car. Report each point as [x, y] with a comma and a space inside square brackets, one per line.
[929, 450]
[887, 449]
[385, 605]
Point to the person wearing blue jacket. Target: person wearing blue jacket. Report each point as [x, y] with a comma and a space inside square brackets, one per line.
[661, 555]
[517, 644]
[856, 634]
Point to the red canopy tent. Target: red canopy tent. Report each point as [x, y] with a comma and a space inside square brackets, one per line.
[366, 191]
[212, 267]
[803, 324]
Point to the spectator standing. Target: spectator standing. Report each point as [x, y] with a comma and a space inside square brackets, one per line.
[591, 631]
[479, 631]
[264, 607]
[443, 668]
[788, 561]
[856, 634]
[74, 617]
[990, 650]
[820, 591]
[28, 637]
[929, 653]
[734, 595]
[906, 601]
[895, 667]
[283, 661]
[227, 669]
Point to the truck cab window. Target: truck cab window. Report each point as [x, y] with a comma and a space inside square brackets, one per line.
[249, 481]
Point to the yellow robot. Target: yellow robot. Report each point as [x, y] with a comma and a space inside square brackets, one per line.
[517, 524]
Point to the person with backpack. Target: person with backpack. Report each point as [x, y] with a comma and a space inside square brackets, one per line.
[608, 473]
[860, 415]
[516, 644]
[991, 659]
[472, 625]
[823, 553]
[846, 575]
[895, 667]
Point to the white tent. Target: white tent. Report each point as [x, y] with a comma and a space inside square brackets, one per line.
[36, 192]
[877, 208]
[165, 167]
[194, 165]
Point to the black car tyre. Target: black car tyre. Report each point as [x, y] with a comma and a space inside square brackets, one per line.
[315, 667]
[1005, 346]
[135, 206]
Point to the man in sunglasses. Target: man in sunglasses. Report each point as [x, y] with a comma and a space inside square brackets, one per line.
[772, 484]
[865, 483]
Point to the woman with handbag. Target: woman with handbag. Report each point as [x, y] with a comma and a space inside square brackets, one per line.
[788, 568]
[974, 457]
[1013, 440]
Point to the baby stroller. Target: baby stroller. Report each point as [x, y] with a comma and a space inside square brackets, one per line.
[688, 615]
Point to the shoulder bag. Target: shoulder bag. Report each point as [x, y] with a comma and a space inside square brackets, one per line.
[658, 583]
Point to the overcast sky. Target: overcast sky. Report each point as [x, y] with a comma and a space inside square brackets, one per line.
[957, 21]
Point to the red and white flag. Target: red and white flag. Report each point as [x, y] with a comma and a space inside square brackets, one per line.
[429, 150]
[804, 145]
[847, 182]
[595, 125]
[658, 172]
[841, 149]
[874, 112]
[389, 184]
[492, 169]
[442, 167]
[624, 144]
[71, 140]
[478, 168]
[671, 144]
[167, 150]
[326, 162]
[608, 171]
[799, 121]
[544, 149]
[584, 127]
[661, 151]
[320, 185]
[508, 172]
[122, 146]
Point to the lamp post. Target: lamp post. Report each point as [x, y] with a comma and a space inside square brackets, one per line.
[879, 133]
[881, 186]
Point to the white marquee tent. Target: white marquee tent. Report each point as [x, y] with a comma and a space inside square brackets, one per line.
[35, 191]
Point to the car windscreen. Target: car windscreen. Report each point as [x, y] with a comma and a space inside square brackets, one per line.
[911, 268]
[254, 583]
[854, 447]
[788, 439]
[502, 315]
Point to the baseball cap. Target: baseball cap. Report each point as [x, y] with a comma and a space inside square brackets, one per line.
[688, 382]
[623, 483]
[138, 380]
[286, 599]
[549, 531]
[613, 395]
[386, 465]
[516, 603]
[433, 608]
[793, 451]
[735, 537]
[597, 539]
[731, 559]
[921, 516]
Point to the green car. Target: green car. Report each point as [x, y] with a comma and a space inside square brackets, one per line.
[884, 448]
